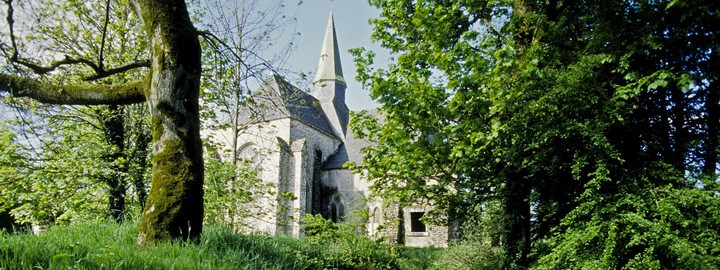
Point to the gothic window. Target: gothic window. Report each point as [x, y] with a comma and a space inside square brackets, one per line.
[377, 215]
[337, 209]
[376, 220]
[416, 223]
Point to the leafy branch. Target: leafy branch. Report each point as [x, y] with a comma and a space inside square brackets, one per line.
[98, 69]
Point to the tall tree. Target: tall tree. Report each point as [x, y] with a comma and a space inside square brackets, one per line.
[171, 88]
[243, 32]
[566, 111]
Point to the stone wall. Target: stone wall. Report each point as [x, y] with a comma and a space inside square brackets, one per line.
[287, 151]
[353, 189]
[395, 226]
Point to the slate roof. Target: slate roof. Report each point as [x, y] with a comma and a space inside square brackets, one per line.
[350, 149]
[277, 99]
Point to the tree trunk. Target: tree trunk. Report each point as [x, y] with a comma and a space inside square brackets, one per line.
[517, 222]
[174, 206]
[113, 125]
[516, 194]
[679, 130]
[138, 174]
[712, 105]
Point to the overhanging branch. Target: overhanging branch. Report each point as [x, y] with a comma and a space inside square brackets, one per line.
[75, 94]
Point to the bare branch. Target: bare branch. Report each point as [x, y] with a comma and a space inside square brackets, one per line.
[215, 40]
[40, 70]
[105, 73]
[104, 33]
[218, 43]
[85, 94]
[10, 25]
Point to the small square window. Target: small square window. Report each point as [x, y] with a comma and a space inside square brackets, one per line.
[416, 224]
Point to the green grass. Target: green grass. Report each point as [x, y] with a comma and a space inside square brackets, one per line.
[113, 246]
[419, 258]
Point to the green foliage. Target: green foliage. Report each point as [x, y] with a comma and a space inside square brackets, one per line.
[552, 108]
[11, 162]
[350, 250]
[479, 246]
[62, 168]
[664, 228]
[411, 258]
[61, 187]
[315, 226]
[470, 255]
[217, 193]
[233, 194]
[77, 29]
[112, 246]
[80, 162]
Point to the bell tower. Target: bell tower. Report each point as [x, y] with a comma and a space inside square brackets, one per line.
[329, 82]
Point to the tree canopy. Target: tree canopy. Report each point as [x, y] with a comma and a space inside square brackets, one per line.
[593, 123]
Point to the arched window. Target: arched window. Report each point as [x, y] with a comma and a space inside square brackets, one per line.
[337, 208]
[377, 216]
[376, 220]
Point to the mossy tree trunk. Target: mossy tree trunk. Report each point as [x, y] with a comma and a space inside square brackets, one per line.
[174, 207]
[175, 204]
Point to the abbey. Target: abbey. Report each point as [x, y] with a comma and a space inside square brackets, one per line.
[299, 143]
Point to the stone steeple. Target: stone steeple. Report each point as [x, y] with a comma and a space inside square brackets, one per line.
[329, 67]
[329, 83]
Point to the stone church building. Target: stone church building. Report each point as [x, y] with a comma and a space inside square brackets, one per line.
[299, 143]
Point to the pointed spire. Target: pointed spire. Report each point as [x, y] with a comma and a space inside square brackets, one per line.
[329, 67]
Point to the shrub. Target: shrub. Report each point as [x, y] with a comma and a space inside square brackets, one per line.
[470, 255]
[339, 247]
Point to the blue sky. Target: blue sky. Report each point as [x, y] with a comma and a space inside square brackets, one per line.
[353, 30]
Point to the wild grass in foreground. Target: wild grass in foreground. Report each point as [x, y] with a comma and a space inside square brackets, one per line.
[113, 246]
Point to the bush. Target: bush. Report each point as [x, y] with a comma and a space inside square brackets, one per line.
[663, 228]
[480, 245]
[341, 248]
[470, 255]
[412, 258]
